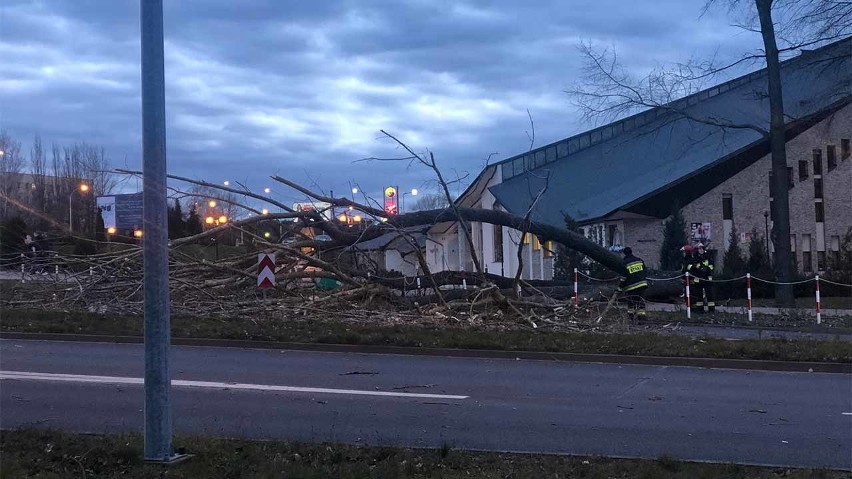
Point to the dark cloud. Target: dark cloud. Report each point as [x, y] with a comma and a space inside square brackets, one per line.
[301, 89]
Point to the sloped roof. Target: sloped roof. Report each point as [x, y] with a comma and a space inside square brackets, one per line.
[394, 240]
[596, 173]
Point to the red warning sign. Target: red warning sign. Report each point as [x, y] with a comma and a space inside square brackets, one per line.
[266, 270]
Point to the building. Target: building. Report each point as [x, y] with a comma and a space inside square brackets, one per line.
[620, 181]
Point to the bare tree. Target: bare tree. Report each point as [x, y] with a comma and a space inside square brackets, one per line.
[38, 167]
[11, 164]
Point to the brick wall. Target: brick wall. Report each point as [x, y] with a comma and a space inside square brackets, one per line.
[749, 190]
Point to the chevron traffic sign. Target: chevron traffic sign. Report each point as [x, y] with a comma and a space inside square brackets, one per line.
[266, 270]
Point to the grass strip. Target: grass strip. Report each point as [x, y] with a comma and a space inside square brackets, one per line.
[336, 332]
[54, 454]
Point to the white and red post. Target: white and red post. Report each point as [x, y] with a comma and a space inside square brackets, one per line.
[688, 302]
[576, 295]
[748, 294]
[818, 309]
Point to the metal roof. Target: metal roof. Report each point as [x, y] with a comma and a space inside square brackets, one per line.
[594, 174]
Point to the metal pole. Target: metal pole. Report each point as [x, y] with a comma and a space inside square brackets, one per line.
[158, 415]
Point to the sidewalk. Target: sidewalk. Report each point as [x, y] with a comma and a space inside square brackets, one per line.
[756, 310]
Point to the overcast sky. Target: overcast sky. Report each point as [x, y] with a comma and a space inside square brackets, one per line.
[302, 88]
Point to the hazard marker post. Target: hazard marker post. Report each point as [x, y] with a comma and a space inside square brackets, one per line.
[265, 272]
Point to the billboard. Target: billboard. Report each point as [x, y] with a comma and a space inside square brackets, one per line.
[122, 212]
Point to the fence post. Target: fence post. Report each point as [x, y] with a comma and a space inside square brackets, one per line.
[464, 283]
[688, 302]
[576, 295]
[819, 311]
[748, 294]
[91, 272]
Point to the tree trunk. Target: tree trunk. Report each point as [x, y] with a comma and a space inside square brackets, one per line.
[782, 262]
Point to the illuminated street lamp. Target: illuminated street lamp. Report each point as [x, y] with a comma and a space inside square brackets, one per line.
[413, 192]
[223, 219]
[137, 233]
[209, 220]
[267, 190]
[227, 183]
[264, 211]
[354, 191]
[83, 188]
[267, 234]
[111, 230]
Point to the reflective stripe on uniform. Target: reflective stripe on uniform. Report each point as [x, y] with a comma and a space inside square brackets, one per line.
[640, 284]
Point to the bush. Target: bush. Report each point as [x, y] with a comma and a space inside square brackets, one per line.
[674, 237]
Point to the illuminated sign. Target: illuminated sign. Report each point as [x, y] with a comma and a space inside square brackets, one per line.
[391, 201]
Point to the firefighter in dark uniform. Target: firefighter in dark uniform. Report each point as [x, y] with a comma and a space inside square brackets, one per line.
[701, 273]
[634, 284]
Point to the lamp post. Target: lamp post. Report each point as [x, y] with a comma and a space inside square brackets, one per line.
[83, 188]
[413, 192]
[766, 225]
[214, 222]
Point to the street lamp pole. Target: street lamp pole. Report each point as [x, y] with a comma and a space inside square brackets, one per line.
[157, 332]
[83, 188]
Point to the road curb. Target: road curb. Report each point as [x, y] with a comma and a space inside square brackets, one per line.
[710, 363]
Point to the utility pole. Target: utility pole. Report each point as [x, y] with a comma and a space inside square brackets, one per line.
[158, 414]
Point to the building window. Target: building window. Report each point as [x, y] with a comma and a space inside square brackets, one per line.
[549, 249]
[611, 231]
[498, 243]
[820, 212]
[817, 161]
[727, 207]
[831, 157]
[807, 264]
[536, 243]
[817, 187]
[790, 182]
[844, 148]
[525, 239]
[820, 260]
[803, 170]
[835, 251]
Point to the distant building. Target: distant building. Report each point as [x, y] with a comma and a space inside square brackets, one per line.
[620, 181]
[43, 199]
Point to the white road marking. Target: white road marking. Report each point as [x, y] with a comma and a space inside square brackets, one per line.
[847, 413]
[75, 378]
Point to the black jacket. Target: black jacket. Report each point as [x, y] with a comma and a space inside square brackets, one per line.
[635, 274]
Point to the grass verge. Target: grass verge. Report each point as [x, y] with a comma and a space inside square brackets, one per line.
[54, 454]
[335, 332]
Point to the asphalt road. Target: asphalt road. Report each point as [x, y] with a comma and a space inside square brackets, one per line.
[751, 417]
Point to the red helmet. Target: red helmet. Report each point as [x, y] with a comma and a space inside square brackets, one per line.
[687, 249]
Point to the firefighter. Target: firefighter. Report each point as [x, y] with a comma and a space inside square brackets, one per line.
[701, 270]
[634, 284]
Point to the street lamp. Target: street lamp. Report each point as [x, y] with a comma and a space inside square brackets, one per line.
[413, 192]
[264, 211]
[211, 204]
[267, 190]
[227, 183]
[83, 188]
